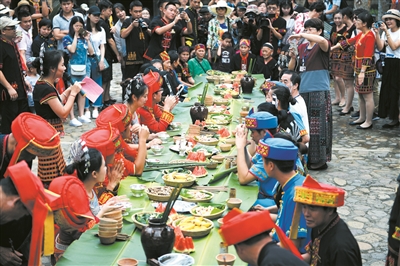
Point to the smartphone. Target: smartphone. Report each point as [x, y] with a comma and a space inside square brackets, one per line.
[18, 33]
[180, 91]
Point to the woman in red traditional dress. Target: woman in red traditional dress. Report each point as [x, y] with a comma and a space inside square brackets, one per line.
[364, 68]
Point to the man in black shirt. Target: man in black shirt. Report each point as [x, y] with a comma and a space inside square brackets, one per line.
[332, 242]
[13, 96]
[250, 234]
[273, 28]
[191, 39]
[165, 30]
[137, 36]
[111, 52]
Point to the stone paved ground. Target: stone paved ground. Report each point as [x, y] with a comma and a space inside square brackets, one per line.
[365, 163]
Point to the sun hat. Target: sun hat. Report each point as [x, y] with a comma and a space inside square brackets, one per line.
[213, 8]
[392, 13]
[24, 3]
[4, 9]
[7, 22]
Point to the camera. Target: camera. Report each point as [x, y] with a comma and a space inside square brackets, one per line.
[82, 32]
[141, 23]
[263, 20]
[251, 16]
[378, 24]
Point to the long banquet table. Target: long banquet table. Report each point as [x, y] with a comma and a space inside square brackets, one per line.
[88, 250]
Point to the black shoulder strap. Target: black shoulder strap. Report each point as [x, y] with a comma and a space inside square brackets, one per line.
[201, 65]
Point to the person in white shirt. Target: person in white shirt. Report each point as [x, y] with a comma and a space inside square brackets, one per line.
[25, 26]
[292, 80]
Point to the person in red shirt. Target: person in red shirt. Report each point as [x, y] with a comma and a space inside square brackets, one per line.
[120, 117]
[151, 115]
[364, 68]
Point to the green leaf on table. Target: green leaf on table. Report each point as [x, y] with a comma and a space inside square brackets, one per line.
[150, 176]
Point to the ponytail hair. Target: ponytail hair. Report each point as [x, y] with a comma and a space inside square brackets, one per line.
[284, 96]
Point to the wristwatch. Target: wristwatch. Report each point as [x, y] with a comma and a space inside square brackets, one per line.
[187, 21]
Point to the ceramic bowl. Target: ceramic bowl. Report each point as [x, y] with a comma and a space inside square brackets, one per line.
[116, 215]
[127, 262]
[175, 125]
[106, 234]
[225, 259]
[175, 183]
[173, 259]
[163, 136]
[233, 203]
[157, 149]
[105, 221]
[108, 240]
[210, 216]
[157, 196]
[218, 158]
[225, 147]
[231, 141]
[137, 189]
[220, 223]
[197, 232]
[212, 165]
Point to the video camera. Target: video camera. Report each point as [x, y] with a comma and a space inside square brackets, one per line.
[263, 20]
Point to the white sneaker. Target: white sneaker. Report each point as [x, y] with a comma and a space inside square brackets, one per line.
[84, 119]
[75, 123]
[95, 113]
[87, 114]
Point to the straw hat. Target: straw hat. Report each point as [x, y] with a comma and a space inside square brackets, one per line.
[213, 8]
[392, 13]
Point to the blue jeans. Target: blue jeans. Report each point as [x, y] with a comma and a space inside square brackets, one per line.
[96, 76]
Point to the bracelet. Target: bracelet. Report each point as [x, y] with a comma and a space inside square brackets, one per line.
[187, 21]
[362, 71]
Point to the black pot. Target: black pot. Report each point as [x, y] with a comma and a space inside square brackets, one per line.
[157, 239]
[198, 112]
[247, 84]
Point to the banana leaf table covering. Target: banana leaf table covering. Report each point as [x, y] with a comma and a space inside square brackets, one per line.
[88, 250]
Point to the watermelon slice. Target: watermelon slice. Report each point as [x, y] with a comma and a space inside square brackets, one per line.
[201, 156]
[199, 171]
[193, 156]
[224, 132]
[183, 244]
[189, 244]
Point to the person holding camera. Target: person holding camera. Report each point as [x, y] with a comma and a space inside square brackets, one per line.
[272, 27]
[191, 39]
[238, 15]
[164, 31]
[249, 30]
[202, 28]
[79, 46]
[390, 93]
[136, 33]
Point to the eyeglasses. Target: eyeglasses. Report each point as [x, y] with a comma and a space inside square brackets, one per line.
[272, 8]
[386, 19]
[221, 8]
[9, 28]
